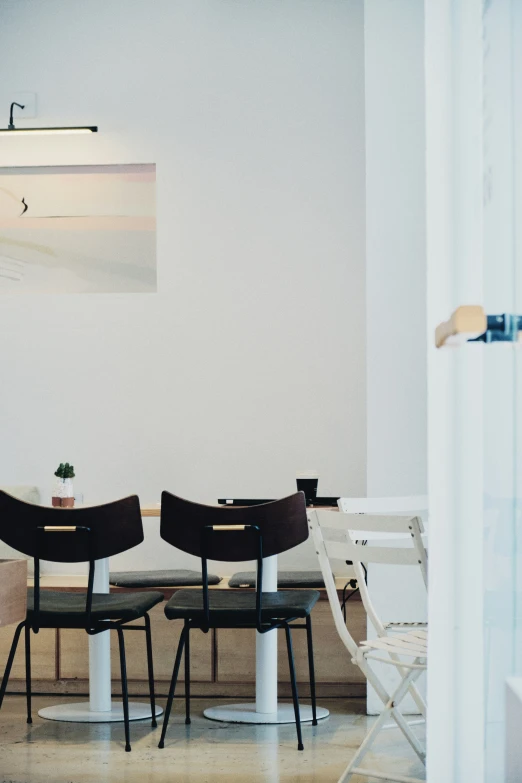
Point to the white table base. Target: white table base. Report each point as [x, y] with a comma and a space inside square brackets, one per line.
[100, 708]
[246, 713]
[266, 709]
[80, 712]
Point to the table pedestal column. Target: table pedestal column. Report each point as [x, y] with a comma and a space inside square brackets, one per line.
[266, 651]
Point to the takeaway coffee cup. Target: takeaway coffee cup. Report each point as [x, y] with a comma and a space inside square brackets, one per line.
[307, 481]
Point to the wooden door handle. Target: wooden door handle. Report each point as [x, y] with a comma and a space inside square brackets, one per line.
[466, 323]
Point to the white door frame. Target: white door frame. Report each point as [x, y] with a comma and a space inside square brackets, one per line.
[453, 44]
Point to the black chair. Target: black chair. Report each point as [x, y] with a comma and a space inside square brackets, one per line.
[74, 536]
[235, 534]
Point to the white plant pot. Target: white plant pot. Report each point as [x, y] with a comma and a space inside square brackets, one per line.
[63, 494]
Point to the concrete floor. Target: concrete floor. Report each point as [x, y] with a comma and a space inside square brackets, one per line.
[205, 752]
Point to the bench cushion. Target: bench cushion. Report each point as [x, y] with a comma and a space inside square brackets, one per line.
[284, 579]
[177, 577]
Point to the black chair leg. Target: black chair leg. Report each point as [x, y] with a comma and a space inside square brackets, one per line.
[150, 666]
[311, 668]
[124, 690]
[187, 675]
[28, 671]
[10, 659]
[295, 696]
[172, 686]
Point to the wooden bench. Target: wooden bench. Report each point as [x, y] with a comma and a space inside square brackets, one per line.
[13, 593]
[61, 665]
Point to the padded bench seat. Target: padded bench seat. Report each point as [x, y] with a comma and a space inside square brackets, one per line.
[176, 577]
[284, 579]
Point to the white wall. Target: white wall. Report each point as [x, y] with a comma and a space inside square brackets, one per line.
[255, 357]
[395, 248]
[249, 362]
[395, 287]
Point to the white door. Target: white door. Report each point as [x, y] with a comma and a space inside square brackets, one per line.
[474, 168]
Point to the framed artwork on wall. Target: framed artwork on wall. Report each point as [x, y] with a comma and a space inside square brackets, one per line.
[78, 229]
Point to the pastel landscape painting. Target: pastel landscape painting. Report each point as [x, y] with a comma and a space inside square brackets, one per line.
[78, 229]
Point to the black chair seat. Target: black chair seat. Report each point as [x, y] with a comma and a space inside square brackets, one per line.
[238, 608]
[67, 610]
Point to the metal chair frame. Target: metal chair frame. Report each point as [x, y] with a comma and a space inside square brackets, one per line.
[41, 536]
[208, 532]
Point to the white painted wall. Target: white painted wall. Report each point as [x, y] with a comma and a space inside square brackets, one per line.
[249, 362]
[395, 248]
[263, 351]
[395, 287]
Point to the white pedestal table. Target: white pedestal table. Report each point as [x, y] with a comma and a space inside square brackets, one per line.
[266, 708]
[100, 708]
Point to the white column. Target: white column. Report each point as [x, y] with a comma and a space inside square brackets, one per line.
[395, 284]
[266, 650]
[100, 651]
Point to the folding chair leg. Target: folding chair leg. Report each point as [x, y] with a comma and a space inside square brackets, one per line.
[417, 698]
[187, 675]
[293, 681]
[412, 739]
[311, 668]
[28, 671]
[173, 682]
[10, 659]
[124, 689]
[150, 666]
[395, 700]
[390, 708]
[365, 746]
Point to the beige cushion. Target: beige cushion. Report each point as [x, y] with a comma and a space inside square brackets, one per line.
[30, 495]
[23, 492]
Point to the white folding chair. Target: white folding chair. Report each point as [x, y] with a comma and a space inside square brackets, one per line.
[407, 652]
[377, 506]
[405, 603]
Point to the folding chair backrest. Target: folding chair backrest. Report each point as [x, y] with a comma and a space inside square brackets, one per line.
[355, 538]
[329, 579]
[412, 505]
[362, 531]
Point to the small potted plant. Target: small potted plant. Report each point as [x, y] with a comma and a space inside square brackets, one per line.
[63, 495]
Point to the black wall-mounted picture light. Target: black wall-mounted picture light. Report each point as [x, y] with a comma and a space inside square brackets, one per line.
[43, 131]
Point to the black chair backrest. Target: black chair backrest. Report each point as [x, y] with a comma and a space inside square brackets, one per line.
[65, 535]
[282, 525]
[114, 528]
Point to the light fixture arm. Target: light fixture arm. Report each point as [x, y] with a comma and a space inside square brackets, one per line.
[11, 122]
